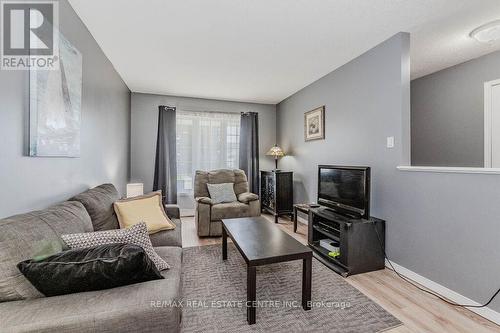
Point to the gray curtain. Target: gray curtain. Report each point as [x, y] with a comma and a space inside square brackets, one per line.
[165, 178]
[249, 149]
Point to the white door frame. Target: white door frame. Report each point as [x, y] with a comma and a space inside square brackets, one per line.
[488, 109]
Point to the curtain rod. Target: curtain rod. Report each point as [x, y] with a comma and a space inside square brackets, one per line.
[180, 108]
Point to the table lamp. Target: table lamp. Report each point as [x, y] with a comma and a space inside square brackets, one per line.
[276, 152]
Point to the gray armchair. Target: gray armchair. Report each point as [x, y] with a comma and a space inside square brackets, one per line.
[208, 216]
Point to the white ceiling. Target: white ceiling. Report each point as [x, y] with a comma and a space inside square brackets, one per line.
[265, 50]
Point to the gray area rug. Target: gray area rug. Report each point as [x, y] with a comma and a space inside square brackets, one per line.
[214, 295]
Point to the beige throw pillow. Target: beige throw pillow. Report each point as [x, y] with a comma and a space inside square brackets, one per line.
[146, 208]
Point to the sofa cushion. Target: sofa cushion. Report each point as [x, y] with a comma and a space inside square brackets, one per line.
[229, 210]
[94, 268]
[220, 193]
[146, 208]
[140, 307]
[168, 237]
[99, 203]
[22, 237]
[221, 176]
[137, 234]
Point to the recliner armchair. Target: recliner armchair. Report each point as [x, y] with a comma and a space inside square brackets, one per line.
[208, 216]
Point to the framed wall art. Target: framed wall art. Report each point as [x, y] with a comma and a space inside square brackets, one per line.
[55, 106]
[314, 124]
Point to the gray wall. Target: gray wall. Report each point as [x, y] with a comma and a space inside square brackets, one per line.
[447, 114]
[28, 183]
[438, 225]
[145, 126]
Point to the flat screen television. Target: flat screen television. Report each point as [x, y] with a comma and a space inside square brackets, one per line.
[345, 189]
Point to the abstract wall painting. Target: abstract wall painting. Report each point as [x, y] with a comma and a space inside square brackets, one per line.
[55, 106]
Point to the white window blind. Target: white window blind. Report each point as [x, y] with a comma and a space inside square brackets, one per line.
[205, 141]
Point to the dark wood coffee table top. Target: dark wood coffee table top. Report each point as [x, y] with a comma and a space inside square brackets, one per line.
[261, 242]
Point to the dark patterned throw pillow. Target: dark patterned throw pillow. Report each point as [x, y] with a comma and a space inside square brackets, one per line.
[95, 268]
[137, 235]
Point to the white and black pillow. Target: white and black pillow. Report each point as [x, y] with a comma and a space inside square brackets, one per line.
[220, 193]
[137, 235]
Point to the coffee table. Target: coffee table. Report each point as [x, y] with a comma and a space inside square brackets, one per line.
[260, 243]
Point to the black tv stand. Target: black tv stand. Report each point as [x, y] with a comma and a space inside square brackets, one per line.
[360, 250]
[352, 215]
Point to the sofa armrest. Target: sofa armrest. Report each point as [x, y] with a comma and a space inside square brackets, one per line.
[205, 200]
[247, 197]
[172, 237]
[173, 211]
[202, 216]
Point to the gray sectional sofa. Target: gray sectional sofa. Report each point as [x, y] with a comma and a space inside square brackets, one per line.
[141, 307]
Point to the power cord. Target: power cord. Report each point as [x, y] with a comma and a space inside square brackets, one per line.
[425, 290]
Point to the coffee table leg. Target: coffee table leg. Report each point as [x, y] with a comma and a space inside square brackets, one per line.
[251, 294]
[306, 283]
[224, 243]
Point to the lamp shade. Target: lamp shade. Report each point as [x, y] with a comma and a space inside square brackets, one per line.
[276, 151]
[135, 190]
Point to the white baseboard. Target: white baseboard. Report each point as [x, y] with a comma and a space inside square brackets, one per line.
[446, 293]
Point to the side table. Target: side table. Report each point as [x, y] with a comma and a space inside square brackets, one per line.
[304, 208]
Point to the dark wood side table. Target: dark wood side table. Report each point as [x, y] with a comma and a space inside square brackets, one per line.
[261, 243]
[304, 208]
[276, 193]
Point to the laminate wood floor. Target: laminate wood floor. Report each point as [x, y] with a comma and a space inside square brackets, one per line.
[418, 311]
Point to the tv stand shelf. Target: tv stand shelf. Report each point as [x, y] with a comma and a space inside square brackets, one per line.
[327, 233]
[360, 250]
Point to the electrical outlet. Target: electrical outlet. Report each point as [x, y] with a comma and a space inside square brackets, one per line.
[390, 142]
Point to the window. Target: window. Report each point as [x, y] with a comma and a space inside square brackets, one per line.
[205, 141]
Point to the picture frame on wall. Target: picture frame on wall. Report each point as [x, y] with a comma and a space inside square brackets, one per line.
[314, 124]
[55, 105]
